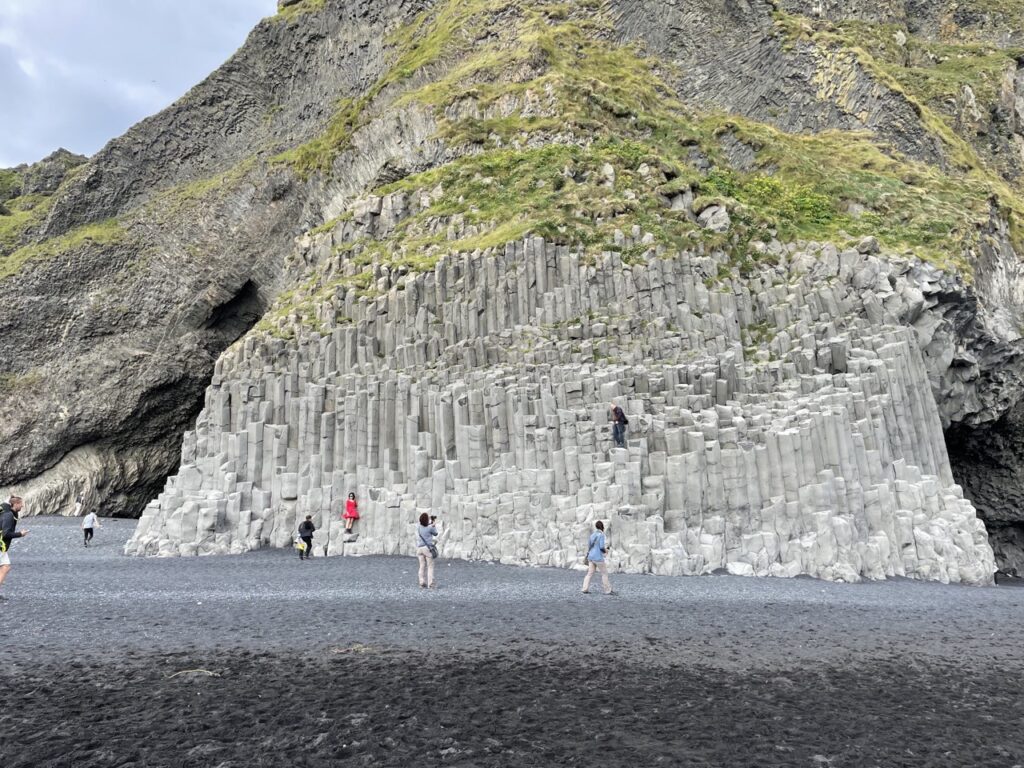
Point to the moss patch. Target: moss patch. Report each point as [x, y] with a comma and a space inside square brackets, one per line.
[25, 212]
[292, 12]
[103, 233]
[185, 197]
[10, 184]
[446, 29]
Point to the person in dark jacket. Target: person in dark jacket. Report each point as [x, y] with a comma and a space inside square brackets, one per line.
[9, 514]
[619, 424]
[306, 531]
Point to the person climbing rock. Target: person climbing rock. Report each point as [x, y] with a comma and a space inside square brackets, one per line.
[9, 514]
[351, 513]
[619, 424]
[306, 531]
[90, 522]
[597, 548]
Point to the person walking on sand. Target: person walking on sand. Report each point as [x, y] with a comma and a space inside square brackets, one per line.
[351, 513]
[9, 513]
[619, 424]
[426, 551]
[306, 531]
[597, 548]
[90, 522]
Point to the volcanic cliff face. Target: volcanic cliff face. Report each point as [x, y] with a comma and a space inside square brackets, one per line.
[784, 236]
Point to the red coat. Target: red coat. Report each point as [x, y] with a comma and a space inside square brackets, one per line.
[350, 510]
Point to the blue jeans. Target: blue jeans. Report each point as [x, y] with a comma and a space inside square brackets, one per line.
[619, 434]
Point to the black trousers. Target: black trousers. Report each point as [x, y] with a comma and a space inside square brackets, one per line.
[308, 551]
[88, 534]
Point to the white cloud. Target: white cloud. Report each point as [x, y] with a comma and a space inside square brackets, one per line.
[29, 68]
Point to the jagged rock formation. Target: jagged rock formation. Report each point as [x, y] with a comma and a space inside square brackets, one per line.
[699, 150]
[480, 391]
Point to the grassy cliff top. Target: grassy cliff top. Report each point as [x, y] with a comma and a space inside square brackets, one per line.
[554, 129]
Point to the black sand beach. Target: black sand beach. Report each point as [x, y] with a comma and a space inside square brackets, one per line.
[262, 660]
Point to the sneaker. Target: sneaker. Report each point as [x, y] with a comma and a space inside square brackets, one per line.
[585, 591]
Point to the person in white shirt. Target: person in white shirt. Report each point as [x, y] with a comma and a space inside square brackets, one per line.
[91, 521]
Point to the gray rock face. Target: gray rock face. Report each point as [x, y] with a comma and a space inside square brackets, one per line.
[479, 392]
[716, 218]
[44, 177]
[107, 346]
[730, 57]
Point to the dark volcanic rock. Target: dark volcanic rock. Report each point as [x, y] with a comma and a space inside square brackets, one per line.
[109, 341]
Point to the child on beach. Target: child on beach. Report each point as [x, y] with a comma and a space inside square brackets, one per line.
[351, 513]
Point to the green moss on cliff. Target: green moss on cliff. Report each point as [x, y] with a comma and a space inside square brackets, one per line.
[447, 29]
[298, 9]
[613, 102]
[557, 132]
[104, 233]
[25, 212]
[177, 201]
[931, 74]
[10, 184]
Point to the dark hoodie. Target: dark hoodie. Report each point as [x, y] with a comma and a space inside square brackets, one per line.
[306, 528]
[8, 521]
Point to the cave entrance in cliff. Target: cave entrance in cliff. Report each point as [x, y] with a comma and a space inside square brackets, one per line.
[236, 316]
[987, 463]
[172, 409]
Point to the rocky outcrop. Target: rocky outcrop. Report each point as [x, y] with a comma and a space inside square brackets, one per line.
[480, 391]
[730, 56]
[42, 178]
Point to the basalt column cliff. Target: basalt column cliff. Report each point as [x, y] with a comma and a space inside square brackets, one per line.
[428, 243]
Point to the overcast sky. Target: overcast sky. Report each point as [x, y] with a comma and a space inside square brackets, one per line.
[77, 73]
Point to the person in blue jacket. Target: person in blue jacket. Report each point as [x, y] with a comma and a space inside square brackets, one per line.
[597, 548]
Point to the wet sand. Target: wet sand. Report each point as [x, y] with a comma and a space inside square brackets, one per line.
[263, 660]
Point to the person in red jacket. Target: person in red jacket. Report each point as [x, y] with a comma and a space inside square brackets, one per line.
[351, 513]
